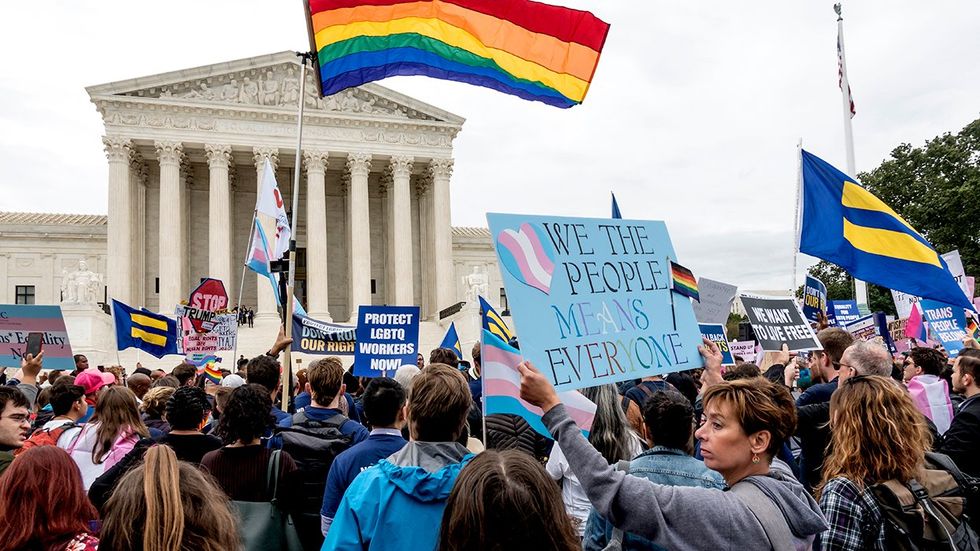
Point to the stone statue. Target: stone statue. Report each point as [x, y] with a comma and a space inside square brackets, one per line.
[249, 93]
[476, 284]
[229, 92]
[269, 94]
[290, 89]
[80, 286]
[204, 92]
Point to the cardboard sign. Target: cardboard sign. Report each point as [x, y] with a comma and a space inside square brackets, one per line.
[779, 320]
[715, 332]
[743, 349]
[319, 337]
[591, 298]
[387, 338]
[844, 312]
[208, 298]
[946, 323]
[872, 328]
[17, 320]
[814, 298]
[222, 334]
[716, 301]
[955, 264]
[904, 303]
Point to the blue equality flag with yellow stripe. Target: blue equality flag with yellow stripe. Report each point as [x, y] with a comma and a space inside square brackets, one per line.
[492, 322]
[451, 341]
[152, 333]
[845, 224]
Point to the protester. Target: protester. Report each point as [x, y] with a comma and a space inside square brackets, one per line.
[164, 505]
[109, 436]
[632, 402]
[264, 370]
[26, 378]
[69, 406]
[93, 381]
[166, 380]
[384, 407]
[746, 422]
[53, 376]
[44, 506]
[504, 500]
[867, 450]
[157, 374]
[139, 384]
[611, 435]
[930, 392]
[153, 406]
[15, 423]
[187, 412]
[444, 356]
[512, 432]
[398, 503]
[301, 398]
[185, 373]
[962, 441]
[81, 364]
[668, 420]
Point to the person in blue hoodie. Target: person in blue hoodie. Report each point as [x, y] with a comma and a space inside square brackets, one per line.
[398, 503]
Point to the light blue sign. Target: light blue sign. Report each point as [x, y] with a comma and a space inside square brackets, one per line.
[19, 320]
[591, 298]
[715, 332]
[845, 312]
[387, 337]
[947, 324]
[814, 298]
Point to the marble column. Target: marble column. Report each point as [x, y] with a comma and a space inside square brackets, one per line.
[385, 187]
[138, 174]
[173, 253]
[442, 238]
[401, 221]
[317, 294]
[219, 213]
[423, 189]
[266, 305]
[359, 166]
[119, 233]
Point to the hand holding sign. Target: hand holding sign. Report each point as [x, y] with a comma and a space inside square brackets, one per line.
[535, 387]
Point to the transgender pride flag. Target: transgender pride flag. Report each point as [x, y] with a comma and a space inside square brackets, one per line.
[258, 257]
[502, 389]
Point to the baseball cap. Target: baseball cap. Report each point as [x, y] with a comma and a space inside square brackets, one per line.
[92, 380]
[233, 381]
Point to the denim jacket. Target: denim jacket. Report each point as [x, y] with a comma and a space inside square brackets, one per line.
[662, 465]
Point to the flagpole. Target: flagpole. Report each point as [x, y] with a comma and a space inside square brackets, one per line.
[860, 287]
[241, 283]
[291, 281]
[796, 221]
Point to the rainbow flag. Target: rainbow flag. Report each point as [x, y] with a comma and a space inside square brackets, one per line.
[206, 365]
[684, 282]
[972, 329]
[531, 50]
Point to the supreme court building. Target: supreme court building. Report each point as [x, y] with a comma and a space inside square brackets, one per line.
[186, 151]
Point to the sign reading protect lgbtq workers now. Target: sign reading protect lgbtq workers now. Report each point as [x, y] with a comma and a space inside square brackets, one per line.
[387, 338]
[590, 298]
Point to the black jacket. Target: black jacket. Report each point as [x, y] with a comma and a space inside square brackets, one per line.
[962, 441]
[510, 432]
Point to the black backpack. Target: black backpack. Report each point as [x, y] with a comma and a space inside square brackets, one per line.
[313, 445]
[930, 513]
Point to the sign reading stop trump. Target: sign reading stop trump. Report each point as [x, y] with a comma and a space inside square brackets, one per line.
[209, 297]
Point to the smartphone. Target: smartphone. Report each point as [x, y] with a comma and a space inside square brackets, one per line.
[805, 378]
[33, 344]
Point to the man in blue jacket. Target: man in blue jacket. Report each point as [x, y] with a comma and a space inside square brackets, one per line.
[398, 503]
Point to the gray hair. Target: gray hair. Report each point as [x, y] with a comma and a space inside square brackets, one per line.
[611, 433]
[868, 358]
[404, 376]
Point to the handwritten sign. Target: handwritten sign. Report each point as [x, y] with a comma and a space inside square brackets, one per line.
[319, 337]
[591, 298]
[743, 349]
[872, 328]
[387, 338]
[779, 320]
[716, 301]
[715, 332]
[17, 320]
[221, 334]
[904, 303]
[814, 298]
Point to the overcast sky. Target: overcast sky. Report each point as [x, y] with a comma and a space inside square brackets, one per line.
[693, 116]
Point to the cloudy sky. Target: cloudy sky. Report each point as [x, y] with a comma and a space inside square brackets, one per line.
[693, 116]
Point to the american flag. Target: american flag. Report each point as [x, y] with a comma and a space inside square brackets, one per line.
[842, 71]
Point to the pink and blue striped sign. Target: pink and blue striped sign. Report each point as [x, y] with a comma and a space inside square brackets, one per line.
[17, 320]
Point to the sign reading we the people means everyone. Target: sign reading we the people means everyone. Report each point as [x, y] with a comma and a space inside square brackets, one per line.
[591, 298]
[17, 320]
[779, 320]
[387, 338]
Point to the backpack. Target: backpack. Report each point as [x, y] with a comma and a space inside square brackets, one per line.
[313, 445]
[929, 513]
[47, 437]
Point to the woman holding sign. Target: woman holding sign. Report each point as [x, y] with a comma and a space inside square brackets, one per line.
[745, 424]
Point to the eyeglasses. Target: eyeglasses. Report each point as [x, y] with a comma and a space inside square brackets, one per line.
[20, 418]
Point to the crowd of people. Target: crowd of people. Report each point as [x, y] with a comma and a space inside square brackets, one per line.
[717, 458]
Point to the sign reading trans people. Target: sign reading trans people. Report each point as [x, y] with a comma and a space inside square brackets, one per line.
[387, 338]
[947, 323]
[591, 298]
[17, 320]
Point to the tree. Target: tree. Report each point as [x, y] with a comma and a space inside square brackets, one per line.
[936, 188]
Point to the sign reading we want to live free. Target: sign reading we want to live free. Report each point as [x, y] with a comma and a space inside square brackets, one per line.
[591, 298]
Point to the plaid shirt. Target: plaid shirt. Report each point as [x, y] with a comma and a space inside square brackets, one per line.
[854, 518]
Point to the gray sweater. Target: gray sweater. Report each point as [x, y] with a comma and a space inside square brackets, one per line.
[681, 518]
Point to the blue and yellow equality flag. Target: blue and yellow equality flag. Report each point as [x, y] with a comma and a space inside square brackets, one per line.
[845, 224]
[152, 333]
[451, 341]
[493, 323]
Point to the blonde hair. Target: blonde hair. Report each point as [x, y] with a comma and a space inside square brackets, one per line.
[116, 414]
[155, 400]
[877, 434]
[758, 405]
[179, 508]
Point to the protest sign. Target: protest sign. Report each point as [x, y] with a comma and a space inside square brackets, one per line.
[814, 298]
[896, 329]
[715, 332]
[904, 303]
[872, 328]
[844, 312]
[319, 337]
[222, 334]
[716, 301]
[955, 264]
[387, 338]
[779, 320]
[946, 323]
[17, 320]
[743, 349]
[209, 297]
[591, 298]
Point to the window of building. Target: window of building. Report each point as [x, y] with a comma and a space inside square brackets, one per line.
[24, 294]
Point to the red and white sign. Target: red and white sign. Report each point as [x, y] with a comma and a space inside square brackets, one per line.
[209, 297]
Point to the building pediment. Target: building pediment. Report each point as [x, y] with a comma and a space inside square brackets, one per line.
[267, 83]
